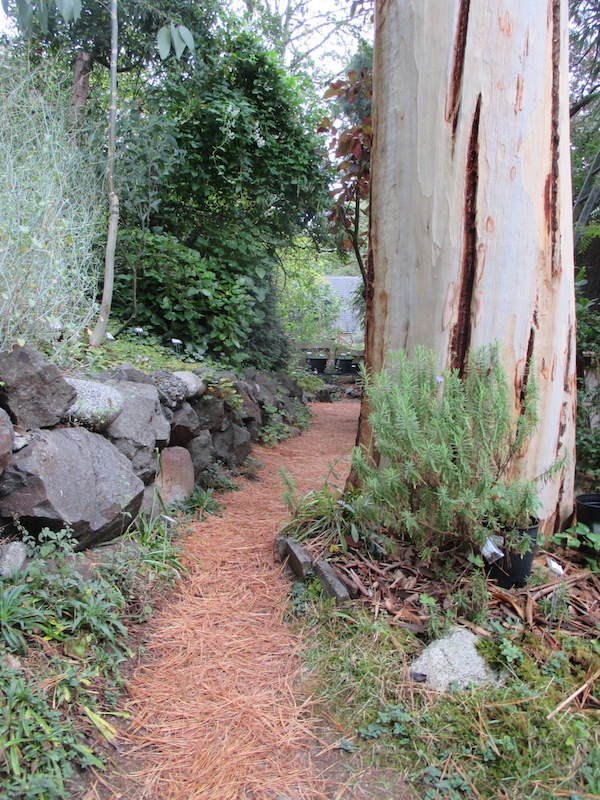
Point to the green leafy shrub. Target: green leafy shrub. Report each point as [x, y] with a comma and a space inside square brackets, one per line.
[218, 478]
[202, 502]
[215, 304]
[50, 211]
[41, 744]
[500, 740]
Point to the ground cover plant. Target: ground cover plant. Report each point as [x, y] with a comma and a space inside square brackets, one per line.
[64, 641]
[512, 740]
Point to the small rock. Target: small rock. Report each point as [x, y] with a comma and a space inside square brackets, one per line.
[201, 450]
[171, 389]
[175, 482]
[281, 546]
[332, 585]
[7, 440]
[124, 372]
[298, 558]
[453, 660]
[184, 424]
[233, 445]
[324, 395]
[32, 390]
[140, 428]
[12, 557]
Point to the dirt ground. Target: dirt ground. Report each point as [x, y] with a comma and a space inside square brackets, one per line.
[214, 702]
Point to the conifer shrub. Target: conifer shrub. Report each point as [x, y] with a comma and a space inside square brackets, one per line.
[446, 445]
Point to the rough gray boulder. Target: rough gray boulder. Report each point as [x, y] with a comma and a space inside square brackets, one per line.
[140, 428]
[250, 412]
[171, 389]
[7, 437]
[97, 404]
[325, 394]
[194, 384]
[201, 450]
[184, 425]
[232, 446]
[211, 413]
[33, 391]
[124, 372]
[288, 385]
[75, 477]
[264, 388]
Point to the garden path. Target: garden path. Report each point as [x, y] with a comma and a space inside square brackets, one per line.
[215, 707]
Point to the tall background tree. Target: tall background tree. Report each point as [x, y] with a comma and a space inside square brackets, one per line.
[471, 226]
[217, 164]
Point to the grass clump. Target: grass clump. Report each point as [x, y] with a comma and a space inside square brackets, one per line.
[500, 741]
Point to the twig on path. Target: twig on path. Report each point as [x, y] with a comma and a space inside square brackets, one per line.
[587, 685]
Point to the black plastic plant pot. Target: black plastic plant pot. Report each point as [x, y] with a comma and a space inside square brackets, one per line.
[588, 510]
[513, 569]
[317, 364]
[344, 365]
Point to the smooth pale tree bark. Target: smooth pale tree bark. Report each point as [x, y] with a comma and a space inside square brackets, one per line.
[471, 222]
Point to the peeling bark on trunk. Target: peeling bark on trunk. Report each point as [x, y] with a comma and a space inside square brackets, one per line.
[471, 224]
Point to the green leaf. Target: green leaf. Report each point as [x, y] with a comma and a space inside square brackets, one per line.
[178, 43]
[67, 10]
[77, 7]
[42, 13]
[163, 41]
[24, 17]
[5, 6]
[187, 37]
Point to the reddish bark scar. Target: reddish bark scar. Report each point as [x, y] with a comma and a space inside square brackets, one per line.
[481, 256]
[519, 97]
[507, 25]
[548, 201]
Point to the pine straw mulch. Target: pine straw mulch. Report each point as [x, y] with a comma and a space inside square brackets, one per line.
[395, 585]
[213, 705]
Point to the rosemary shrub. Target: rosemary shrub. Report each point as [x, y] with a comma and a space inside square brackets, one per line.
[446, 446]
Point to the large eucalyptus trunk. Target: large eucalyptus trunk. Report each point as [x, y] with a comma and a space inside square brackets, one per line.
[471, 223]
